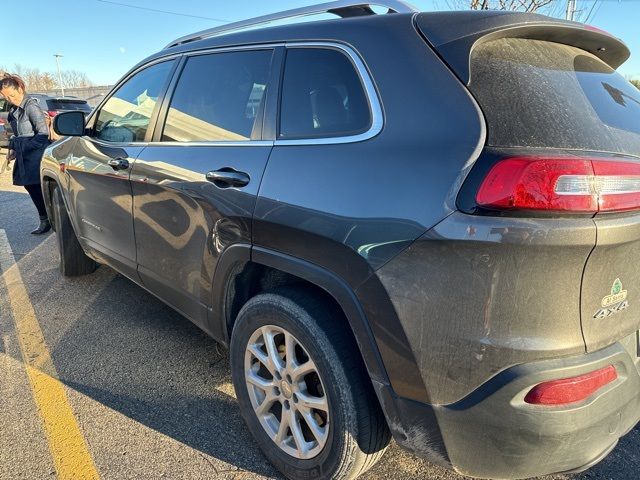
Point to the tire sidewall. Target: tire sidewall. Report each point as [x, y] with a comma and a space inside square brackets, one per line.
[271, 309]
[58, 219]
[73, 259]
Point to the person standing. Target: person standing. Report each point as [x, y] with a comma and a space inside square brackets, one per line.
[31, 137]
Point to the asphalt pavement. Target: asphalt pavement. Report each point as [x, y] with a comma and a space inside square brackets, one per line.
[150, 393]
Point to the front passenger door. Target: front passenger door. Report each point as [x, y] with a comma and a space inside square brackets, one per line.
[98, 171]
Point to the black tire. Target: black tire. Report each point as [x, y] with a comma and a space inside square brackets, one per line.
[357, 430]
[73, 261]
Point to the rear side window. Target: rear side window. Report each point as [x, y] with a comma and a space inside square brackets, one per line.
[322, 96]
[4, 105]
[218, 97]
[126, 114]
[543, 94]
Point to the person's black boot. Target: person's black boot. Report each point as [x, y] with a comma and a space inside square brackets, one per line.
[44, 227]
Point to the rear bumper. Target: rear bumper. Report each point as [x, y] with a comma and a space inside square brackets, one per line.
[493, 433]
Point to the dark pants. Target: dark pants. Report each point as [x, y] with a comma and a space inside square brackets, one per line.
[35, 192]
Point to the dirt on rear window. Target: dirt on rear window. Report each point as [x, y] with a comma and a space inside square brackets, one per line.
[543, 94]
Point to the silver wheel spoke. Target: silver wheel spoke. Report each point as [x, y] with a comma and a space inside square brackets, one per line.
[301, 370]
[257, 352]
[266, 404]
[290, 349]
[257, 381]
[317, 403]
[282, 429]
[318, 432]
[272, 350]
[296, 430]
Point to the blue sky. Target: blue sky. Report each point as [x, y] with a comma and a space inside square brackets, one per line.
[104, 40]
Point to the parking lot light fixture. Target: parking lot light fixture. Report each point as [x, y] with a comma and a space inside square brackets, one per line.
[57, 55]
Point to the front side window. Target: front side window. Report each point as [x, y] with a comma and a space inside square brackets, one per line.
[322, 96]
[218, 97]
[125, 117]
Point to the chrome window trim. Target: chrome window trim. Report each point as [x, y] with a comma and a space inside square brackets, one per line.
[373, 99]
[236, 48]
[214, 143]
[375, 106]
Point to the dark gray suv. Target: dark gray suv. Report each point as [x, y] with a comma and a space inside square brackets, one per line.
[423, 225]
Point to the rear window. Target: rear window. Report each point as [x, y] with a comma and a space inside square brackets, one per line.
[543, 94]
[63, 104]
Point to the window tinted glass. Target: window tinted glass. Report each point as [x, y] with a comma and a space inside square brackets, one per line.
[125, 116]
[542, 94]
[218, 97]
[322, 95]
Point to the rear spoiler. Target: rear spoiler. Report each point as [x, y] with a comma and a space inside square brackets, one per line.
[454, 35]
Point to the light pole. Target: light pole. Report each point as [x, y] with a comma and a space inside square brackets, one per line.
[57, 55]
[571, 9]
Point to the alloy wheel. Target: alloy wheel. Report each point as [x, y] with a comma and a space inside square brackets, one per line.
[286, 392]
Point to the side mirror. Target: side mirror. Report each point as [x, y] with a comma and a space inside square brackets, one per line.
[69, 124]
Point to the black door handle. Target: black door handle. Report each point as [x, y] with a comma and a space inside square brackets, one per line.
[118, 163]
[228, 177]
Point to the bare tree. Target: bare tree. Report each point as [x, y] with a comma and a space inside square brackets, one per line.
[512, 5]
[37, 80]
[636, 83]
[74, 78]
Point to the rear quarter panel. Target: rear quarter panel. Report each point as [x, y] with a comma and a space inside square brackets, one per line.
[350, 208]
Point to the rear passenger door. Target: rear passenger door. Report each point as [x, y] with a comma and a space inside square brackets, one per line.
[318, 186]
[195, 185]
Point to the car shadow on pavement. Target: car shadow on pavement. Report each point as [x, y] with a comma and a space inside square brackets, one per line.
[128, 351]
[157, 368]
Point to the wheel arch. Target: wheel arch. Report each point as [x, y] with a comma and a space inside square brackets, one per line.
[241, 274]
[49, 180]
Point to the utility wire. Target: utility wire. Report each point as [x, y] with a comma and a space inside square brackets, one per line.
[164, 11]
[596, 11]
[593, 6]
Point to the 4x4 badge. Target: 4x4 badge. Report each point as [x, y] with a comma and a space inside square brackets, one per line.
[614, 303]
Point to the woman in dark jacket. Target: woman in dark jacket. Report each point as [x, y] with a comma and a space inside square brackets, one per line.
[31, 137]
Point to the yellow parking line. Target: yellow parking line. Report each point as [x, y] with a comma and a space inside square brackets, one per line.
[66, 442]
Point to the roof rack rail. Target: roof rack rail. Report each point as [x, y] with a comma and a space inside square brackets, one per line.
[341, 8]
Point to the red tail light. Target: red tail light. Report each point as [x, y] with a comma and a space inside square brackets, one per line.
[571, 390]
[2, 121]
[561, 184]
[52, 113]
